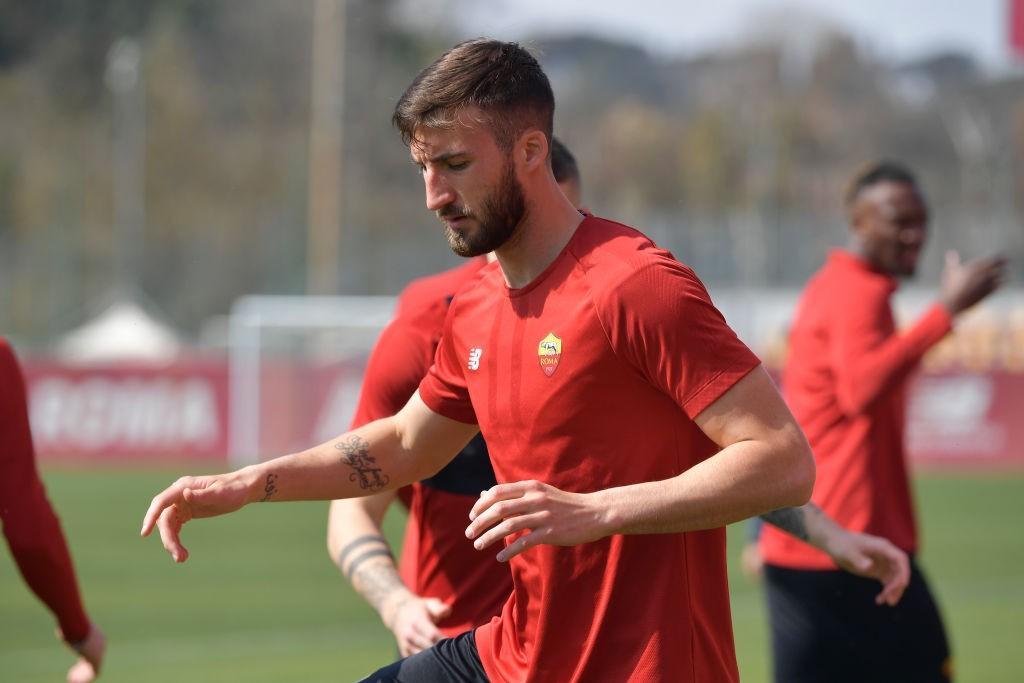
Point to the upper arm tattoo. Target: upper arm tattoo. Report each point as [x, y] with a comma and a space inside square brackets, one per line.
[356, 454]
[791, 520]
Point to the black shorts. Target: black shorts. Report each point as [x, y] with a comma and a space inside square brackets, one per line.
[452, 660]
[826, 627]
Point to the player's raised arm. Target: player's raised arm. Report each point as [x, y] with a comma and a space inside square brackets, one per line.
[379, 456]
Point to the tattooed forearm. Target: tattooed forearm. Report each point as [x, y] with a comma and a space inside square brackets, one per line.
[380, 586]
[374, 576]
[375, 581]
[351, 546]
[269, 489]
[356, 454]
[368, 555]
[791, 520]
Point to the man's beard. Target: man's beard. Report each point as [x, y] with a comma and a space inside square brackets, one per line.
[501, 212]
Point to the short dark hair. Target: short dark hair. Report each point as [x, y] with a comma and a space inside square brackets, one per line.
[878, 172]
[501, 79]
[563, 163]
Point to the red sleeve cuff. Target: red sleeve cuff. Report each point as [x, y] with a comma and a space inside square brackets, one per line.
[718, 386]
[448, 407]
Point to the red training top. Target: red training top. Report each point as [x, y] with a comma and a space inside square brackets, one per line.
[437, 559]
[32, 529]
[589, 378]
[845, 381]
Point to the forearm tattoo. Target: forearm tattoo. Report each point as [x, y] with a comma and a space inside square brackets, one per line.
[375, 581]
[376, 539]
[269, 489]
[356, 454]
[368, 555]
[791, 520]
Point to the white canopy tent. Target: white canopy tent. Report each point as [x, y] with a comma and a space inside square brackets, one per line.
[122, 332]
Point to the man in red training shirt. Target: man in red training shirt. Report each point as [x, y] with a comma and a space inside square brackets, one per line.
[442, 586]
[625, 421]
[32, 530]
[845, 381]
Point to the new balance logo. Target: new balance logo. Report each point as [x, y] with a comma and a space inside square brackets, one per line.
[474, 358]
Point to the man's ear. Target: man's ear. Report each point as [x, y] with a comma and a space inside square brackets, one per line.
[533, 150]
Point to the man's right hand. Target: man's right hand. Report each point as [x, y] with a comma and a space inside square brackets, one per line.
[414, 623]
[191, 497]
[965, 284]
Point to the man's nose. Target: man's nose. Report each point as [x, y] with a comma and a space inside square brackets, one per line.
[439, 193]
[913, 235]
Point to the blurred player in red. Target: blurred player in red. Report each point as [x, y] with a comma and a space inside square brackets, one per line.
[32, 530]
[845, 380]
[442, 586]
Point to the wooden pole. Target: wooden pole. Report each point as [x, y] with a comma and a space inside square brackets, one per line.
[325, 148]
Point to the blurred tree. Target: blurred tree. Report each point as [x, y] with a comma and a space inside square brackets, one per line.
[735, 158]
[73, 36]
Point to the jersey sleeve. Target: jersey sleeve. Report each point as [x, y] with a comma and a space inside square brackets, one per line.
[30, 525]
[661, 320]
[399, 360]
[868, 360]
[444, 388]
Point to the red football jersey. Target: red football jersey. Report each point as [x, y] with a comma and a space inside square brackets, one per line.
[845, 381]
[588, 378]
[437, 559]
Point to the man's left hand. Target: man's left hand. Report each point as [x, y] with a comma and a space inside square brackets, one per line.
[546, 515]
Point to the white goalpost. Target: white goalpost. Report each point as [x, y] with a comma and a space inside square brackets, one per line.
[295, 367]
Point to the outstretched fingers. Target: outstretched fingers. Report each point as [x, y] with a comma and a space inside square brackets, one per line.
[512, 525]
[501, 492]
[161, 501]
[505, 510]
[168, 511]
[156, 507]
[498, 507]
[169, 524]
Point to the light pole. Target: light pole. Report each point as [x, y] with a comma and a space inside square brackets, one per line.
[325, 148]
[124, 79]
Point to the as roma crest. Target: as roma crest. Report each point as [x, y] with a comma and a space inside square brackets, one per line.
[548, 352]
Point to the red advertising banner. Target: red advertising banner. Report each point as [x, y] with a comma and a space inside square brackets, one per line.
[122, 412]
[117, 413]
[303, 404]
[960, 418]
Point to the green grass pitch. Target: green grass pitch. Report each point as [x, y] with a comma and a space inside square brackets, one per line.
[259, 600]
